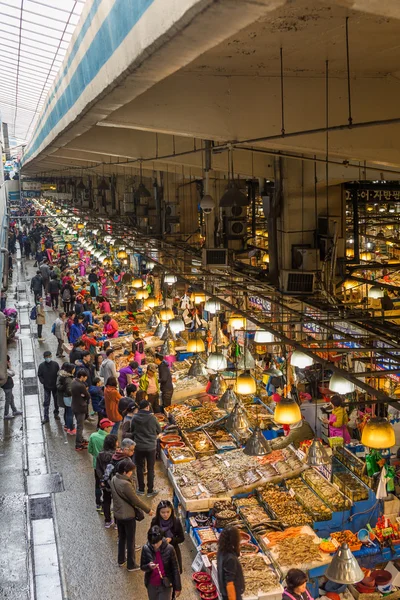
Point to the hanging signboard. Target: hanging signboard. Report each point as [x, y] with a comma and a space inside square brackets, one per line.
[31, 186]
[374, 195]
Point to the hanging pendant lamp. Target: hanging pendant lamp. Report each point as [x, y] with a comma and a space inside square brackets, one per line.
[166, 314]
[217, 361]
[263, 337]
[142, 294]
[375, 292]
[245, 384]
[152, 322]
[257, 445]
[212, 306]
[317, 455]
[301, 360]
[228, 400]
[340, 385]
[218, 386]
[137, 283]
[160, 329]
[168, 348]
[150, 302]
[170, 279]
[287, 412]
[236, 321]
[103, 185]
[378, 433]
[344, 567]
[197, 297]
[177, 325]
[196, 368]
[246, 360]
[168, 334]
[237, 422]
[195, 345]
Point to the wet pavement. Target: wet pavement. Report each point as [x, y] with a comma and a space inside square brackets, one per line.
[86, 551]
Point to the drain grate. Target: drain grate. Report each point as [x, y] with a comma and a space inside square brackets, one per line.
[30, 390]
[44, 484]
[29, 365]
[40, 508]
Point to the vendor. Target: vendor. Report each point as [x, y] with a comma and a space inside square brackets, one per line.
[149, 384]
[338, 419]
[299, 432]
[110, 327]
[296, 586]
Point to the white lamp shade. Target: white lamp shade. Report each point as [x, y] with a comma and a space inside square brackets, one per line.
[340, 385]
[217, 362]
[300, 360]
[170, 279]
[177, 325]
[375, 292]
[263, 337]
[212, 306]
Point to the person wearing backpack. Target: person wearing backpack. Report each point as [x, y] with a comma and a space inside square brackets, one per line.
[96, 443]
[127, 510]
[37, 285]
[54, 291]
[58, 330]
[104, 458]
[67, 294]
[65, 378]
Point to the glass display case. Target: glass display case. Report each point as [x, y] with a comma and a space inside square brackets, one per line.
[312, 503]
[326, 491]
[348, 483]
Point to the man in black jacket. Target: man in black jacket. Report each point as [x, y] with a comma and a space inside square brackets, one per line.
[79, 405]
[47, 374]
[85, 363]
[37, 286]
[145, 429]
[165, 380]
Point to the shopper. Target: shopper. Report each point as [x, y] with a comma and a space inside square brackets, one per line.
[171, 526]
[67, 296]
[165, 380]
[65, 378]
[103, 459]
[160, 564]
[110, 328]
[131, 409]
[96, 443]
[96, 391]
[54, 291]
[37, 286]
[80, 403]
[126, 375]
[108, 368]
[127, 507]
[86, 364]
[111, 399]
[59, 332]
[77, 329]
[77, 351]
[149, 384]
[230, 573]
[45, 273]
[40, 319]
[104, 305]
[130, 396]
[296, 586]
[47, 374]
[93, 280]
[7, 388]
[145, 429]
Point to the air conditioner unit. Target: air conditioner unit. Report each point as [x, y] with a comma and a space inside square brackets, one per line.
[215, 257]
[236, 211]
[297, 282]
[326, 226]
[235, 228]
[171, 210]
[305, 259]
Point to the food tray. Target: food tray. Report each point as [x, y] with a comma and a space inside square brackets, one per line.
[350, 486]
[189, 438]
[323, 558]
[297, 509]
[178, 455]
[306, 497]
[326, 491]
[221, 445]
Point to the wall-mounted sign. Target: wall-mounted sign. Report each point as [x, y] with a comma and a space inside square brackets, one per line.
[374, 195]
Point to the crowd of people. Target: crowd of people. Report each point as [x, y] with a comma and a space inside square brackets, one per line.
[124, 403]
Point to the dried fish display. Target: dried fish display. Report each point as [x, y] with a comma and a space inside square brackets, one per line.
[249, 501]
[178, 455]
[285, 507]
[187, 418]
[221, 438]
[326, 491]
[292, 459]
[298, 551]
[254, 515]
[258, 575]
[259, 415]
[207, 534]
[309, 500]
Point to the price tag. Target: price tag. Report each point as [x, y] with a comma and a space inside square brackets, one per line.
[387, 531]
[206, 561]
[184, 479]
[227, 463]
[193, 522]
[266, 540]
[292, 492]
[202, 488]
[335, 542]
[197, 564]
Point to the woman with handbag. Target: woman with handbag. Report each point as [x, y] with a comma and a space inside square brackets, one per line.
[171, 526]
[159, 562]
[128, 508]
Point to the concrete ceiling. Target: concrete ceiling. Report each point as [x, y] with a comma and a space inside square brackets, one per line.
[232, 92]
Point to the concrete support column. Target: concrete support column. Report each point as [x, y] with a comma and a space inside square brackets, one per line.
[301, 201]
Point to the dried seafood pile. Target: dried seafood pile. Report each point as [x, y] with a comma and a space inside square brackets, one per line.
[200, 442]
[297, 551]
[326, 491]
[258, 576]
[285, 507]
[312, 503]
[186, 418]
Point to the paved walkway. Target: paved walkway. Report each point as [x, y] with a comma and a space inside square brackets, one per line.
[74, 557]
